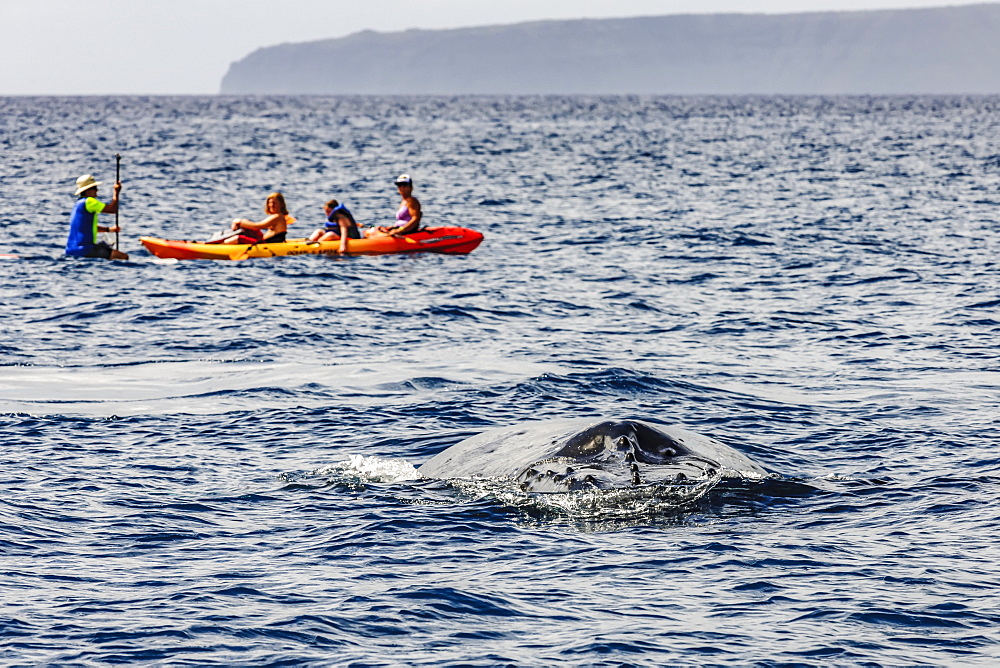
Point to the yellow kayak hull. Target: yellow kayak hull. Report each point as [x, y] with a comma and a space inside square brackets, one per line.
[452, 240]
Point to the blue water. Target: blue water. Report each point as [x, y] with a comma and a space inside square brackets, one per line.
[213, 463]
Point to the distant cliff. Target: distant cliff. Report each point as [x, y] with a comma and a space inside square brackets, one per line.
[940, 50]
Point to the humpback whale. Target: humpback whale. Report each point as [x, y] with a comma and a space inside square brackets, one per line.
[581, 454]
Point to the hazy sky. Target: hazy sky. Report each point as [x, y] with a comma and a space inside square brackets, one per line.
[68, 47]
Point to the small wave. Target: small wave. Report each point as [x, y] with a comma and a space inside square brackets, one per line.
[987, 304]
[359, 468]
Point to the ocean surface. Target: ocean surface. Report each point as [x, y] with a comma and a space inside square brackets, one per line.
[213, 463]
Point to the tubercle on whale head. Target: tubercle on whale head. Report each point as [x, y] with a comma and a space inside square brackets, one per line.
[558, 476]
[562, 475]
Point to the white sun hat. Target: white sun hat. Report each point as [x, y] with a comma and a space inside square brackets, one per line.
[85, 183]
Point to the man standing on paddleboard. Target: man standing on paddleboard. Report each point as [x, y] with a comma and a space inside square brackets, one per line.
[83, 227]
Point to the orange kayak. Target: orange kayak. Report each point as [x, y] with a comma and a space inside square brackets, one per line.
[453, 240]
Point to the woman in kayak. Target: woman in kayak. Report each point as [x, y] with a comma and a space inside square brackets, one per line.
[340, 224]
[409, 215]
[272, 229]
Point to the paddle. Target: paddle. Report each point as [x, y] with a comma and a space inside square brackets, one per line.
[118, 178]
[241, 255]
[245, 253]
[220, 235]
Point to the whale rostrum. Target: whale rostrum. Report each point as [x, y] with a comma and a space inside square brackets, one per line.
[581, 454]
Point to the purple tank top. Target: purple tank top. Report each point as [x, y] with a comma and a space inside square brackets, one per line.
[403, 214]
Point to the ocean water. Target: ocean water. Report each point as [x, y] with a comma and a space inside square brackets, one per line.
[214, 463]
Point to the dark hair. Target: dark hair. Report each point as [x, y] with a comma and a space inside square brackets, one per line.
[332, 204]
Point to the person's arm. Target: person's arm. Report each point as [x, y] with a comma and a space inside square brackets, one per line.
[112, 206]
[345, 226]
[262, 225]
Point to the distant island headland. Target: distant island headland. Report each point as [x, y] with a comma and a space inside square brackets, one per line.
[945, 50]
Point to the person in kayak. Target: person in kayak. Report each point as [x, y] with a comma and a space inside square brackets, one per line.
[340, 224]
[83, 225]
[409, 215]
[272, 229]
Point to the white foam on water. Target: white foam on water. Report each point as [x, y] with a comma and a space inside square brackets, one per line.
[631, 502]
[215, 386]
[372, 469]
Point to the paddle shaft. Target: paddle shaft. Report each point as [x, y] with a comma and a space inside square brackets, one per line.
[118, 178]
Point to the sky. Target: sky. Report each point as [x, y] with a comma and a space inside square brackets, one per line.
[184, 47]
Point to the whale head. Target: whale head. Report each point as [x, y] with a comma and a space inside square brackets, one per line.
[613, 455]
[580, 454]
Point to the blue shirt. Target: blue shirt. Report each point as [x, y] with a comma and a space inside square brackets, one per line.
[83, 226]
